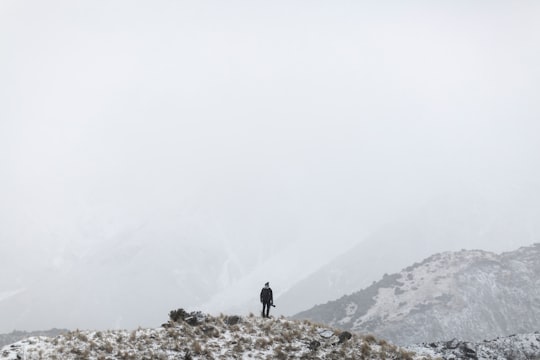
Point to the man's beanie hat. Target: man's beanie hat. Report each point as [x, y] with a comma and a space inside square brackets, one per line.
[267, 283]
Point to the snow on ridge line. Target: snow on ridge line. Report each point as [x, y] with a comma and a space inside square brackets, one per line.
[202, 337]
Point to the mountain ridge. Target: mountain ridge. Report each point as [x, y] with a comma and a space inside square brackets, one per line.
[470, 294]
[195, 335]
[460, 220]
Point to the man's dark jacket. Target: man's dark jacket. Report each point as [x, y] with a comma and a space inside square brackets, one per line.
[266, 296]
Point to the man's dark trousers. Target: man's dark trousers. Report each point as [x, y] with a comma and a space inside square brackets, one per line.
[266, 306]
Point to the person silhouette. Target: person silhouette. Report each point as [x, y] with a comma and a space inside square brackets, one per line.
[266, 299]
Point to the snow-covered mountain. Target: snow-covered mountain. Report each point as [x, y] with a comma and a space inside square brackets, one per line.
[470, 295]
[462, 220]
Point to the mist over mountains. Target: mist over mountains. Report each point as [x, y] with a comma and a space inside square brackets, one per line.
[151, 262]
[163, 262]
[166, 154]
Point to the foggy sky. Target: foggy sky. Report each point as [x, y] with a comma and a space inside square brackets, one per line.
[256, 124]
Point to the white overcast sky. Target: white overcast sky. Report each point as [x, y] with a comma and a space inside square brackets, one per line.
[274, 120]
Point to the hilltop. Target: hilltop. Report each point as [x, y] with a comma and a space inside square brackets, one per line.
[200, 336]
[197, 336]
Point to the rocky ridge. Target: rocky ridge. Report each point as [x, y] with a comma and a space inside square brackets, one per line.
[200, 336]
[514, 347]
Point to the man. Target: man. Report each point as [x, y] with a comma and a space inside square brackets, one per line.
[266, 299]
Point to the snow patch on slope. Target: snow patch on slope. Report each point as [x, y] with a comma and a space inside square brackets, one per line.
[420, 284]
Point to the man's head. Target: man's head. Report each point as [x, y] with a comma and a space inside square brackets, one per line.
[267, 284]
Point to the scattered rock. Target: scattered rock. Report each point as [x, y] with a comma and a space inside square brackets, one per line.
[199, 316]
[178, 315]
[452, 344]
[210, 331]
[344, 336]
[326, 334]
[468, 350]
[193, 318]
[314, 345]
[232, 320]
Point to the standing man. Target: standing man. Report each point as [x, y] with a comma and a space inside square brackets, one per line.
[266, 299]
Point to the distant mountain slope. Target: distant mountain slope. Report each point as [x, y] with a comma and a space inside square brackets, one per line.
[458, 221]
[470, 295]
[95, 290]
[170, 260]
